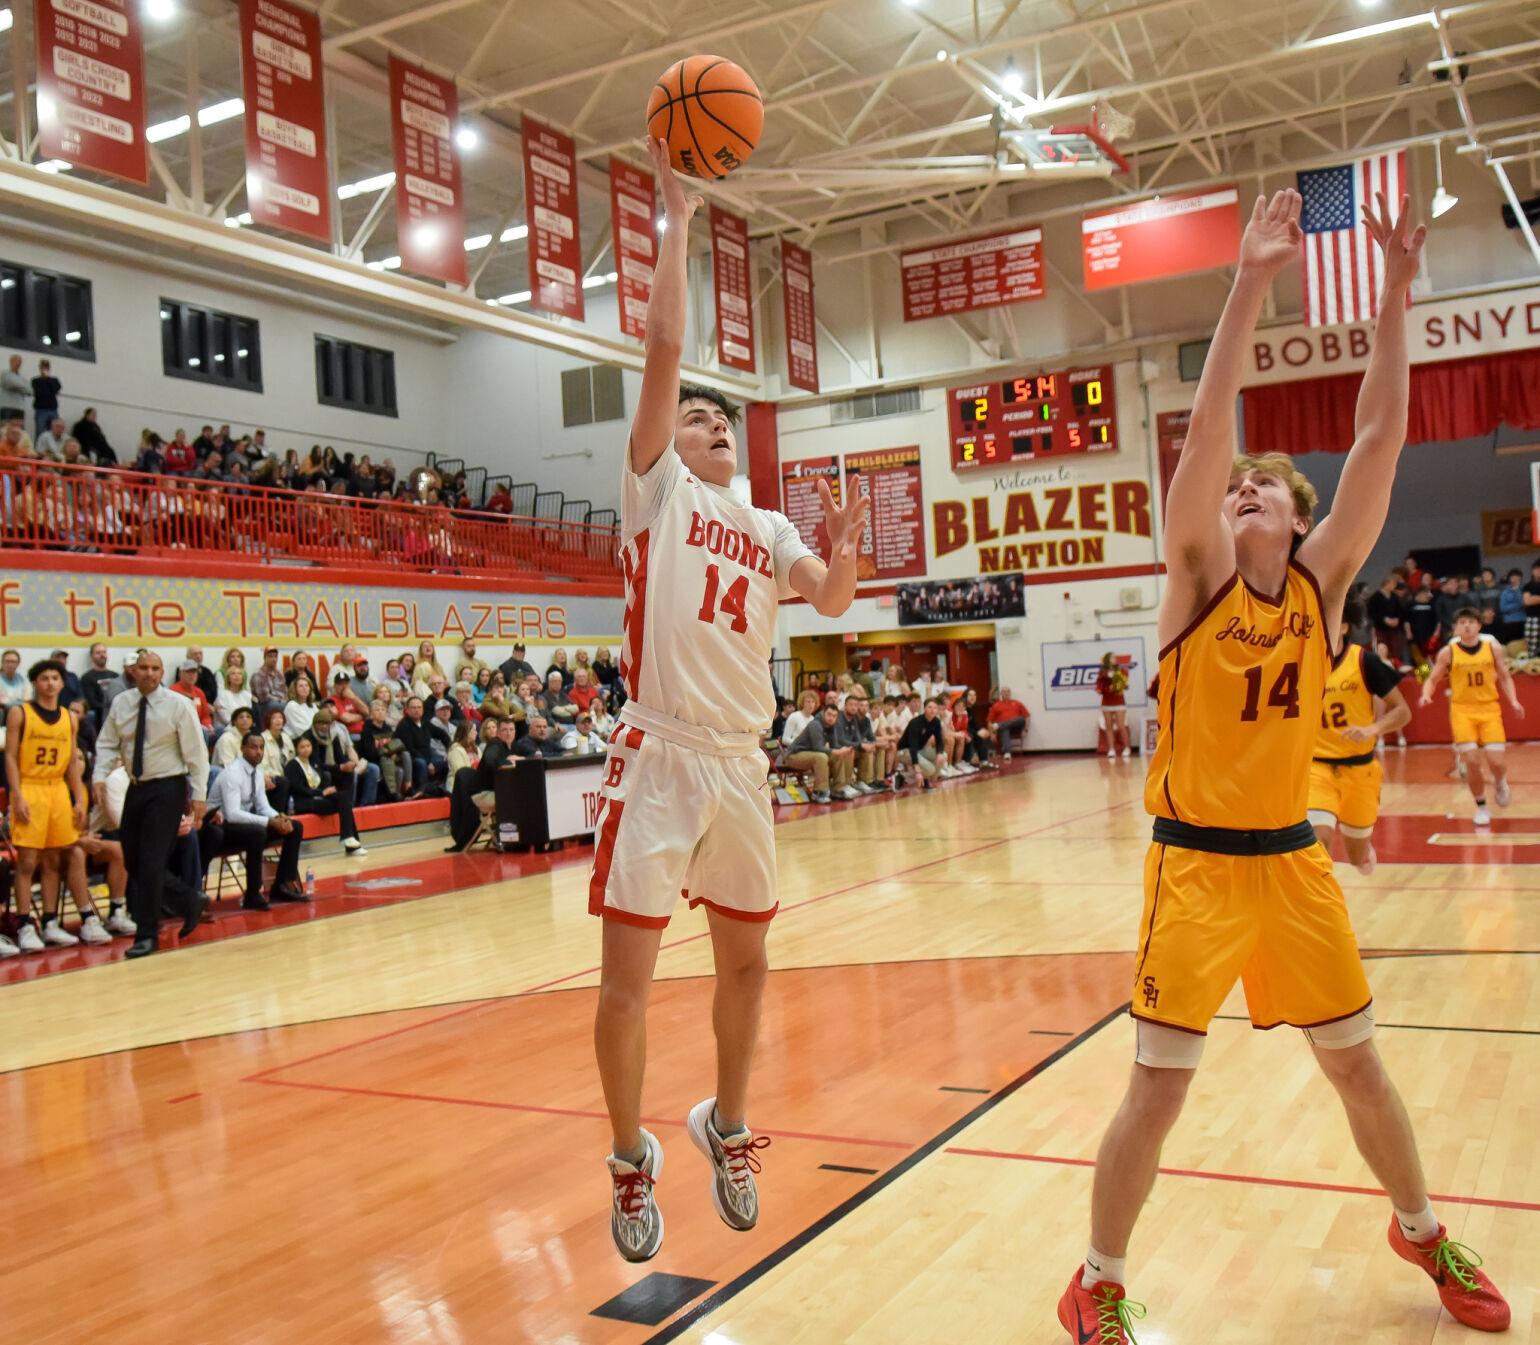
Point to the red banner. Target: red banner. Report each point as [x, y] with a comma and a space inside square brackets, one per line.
[735, 297]
[633, 205]
[1170, 436]
[430, 210]
[894, 544]
[1172, 236]
[551, 211]
[801, 331]
[799, 490]
[981, 273]
[287, 182]
[90, 86]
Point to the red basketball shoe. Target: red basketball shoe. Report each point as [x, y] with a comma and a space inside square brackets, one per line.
[1470, 1297]
[1099, 1315]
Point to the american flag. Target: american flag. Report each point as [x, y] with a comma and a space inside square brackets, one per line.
[1343, 266]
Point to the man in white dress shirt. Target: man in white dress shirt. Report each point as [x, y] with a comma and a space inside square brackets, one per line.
[240, 795]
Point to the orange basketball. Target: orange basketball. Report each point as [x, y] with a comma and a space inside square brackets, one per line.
[709, 111]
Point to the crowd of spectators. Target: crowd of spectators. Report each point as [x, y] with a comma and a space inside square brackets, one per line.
[1410, 616]
[871, 733]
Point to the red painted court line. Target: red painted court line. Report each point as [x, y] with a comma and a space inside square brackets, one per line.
[186, 1097]
[1248, 1181]
[260, 1075]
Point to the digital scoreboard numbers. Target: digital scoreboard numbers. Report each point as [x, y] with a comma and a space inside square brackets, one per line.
[1037, 416]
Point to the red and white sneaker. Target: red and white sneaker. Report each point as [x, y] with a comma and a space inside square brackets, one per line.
[1468, 1295]
[1099, 1315]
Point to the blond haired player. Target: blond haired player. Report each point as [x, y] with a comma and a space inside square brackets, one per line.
[684, 807]
[1236, 885]
[1345, 774]
[1477, 669]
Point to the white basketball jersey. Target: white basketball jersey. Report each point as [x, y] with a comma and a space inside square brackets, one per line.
[704, 577]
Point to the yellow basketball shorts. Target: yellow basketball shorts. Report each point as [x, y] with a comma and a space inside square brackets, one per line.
[1351, 794]
[51, 825]
[1278, 922]
[1481, 724]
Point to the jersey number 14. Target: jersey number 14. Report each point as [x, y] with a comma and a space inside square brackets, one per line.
[734, 601]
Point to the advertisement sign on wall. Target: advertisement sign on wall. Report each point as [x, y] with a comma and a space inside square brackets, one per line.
[430, 211]
[551, 212]
[90, 86]
[734, 290]
[801, 502]
[894, 544]
[1507, 532]
[1070, 669]
[287, 181]
[632, 206]
[1004, 268]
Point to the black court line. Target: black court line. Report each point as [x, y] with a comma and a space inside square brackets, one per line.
[953, 1088]
[733, 1288]
[840, 1167]
[1422, 1027]
[1047, 1032]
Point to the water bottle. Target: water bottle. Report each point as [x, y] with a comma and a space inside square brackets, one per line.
[310, 883]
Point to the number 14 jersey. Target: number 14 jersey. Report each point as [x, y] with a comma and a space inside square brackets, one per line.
[1240, 701]
[704, 578]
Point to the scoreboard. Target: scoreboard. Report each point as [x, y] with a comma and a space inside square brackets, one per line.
[1026, 419]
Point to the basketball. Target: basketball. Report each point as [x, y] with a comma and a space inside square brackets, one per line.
[710, 113]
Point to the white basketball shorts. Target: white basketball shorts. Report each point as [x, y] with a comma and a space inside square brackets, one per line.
[676, 821]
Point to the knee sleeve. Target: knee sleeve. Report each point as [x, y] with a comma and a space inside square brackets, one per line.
[1344, 1032]
[1162, 1047]
[1465, 747]
[1357, 833]
[1319, 817]
[1494, 749]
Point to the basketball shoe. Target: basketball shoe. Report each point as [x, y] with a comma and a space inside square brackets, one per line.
[1502, 796]
[734, 1163]
[1100, 1315]
[1468, 1295]
[636, 1222]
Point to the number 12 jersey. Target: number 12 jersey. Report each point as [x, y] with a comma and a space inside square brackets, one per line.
[704, 578]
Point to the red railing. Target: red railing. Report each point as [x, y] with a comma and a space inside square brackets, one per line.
[44, 506]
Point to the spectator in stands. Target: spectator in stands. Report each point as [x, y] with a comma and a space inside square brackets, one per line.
[886, 730]
[277, 752]
[346, 708]
[559, 665]
[85, 734]
[13, 686]
[203, 445]
[1453, 594]
[381, 748]
[1008, 717]
[1422, 624]
[558, 704]
[1413, 573]
[811, 748]
[465, 703]
[124, 681]
[300, 711]
[50, 442]
[893, 683]
[923, 745]
[102, 844]
[299, 665]
[232, 696]
[1532, 612]
[427, 665]
[463, 753]
[72, 691]
[441, 729]
[584, 691]
[359, 683]
[336, 756]
[269, 687]
[427, 770]
[1486, 591]
[1510, 606]
[958, 745]
[980, 732]
[234, 657]
[853, 729]
[227, 747]
[482, 685]
[250, 824]
[1389, 616]
[438, 692]
[94, 678]
[15, 390]
[798, 720]
[604, 721]
[384, 694]
[312, 792]
[517, 666]
[468, 656]
[581, 739]
[178, 456]
[538, 742]
[45, 397]
[607, 673]
[186, 684]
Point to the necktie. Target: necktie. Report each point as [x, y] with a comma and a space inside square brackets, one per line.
[251, 772]
[139, 726]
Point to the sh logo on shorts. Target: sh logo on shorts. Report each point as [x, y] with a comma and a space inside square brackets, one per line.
[1151, 994]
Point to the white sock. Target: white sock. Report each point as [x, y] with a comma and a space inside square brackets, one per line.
[1421, 1226]
[1101, 1269]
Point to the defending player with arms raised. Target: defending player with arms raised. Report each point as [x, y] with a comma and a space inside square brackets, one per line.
[1236, 884]
[1345, 774]
[684, 806]
[1477, 669]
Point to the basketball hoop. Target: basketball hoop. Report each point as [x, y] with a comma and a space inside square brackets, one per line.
[1110, 124]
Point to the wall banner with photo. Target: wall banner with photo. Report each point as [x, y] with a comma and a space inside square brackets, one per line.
[945, 601]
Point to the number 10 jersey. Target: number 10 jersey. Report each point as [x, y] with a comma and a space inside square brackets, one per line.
[704, 578]
[1240, 702]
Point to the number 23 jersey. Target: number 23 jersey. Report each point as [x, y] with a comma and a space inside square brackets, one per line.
[704, 578]
[1240, 702]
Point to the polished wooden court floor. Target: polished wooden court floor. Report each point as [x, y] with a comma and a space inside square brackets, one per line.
[385, 1125]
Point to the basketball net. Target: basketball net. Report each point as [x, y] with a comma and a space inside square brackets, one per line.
[1110, 124]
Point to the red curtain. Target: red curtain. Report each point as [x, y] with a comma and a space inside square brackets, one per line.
[1458, 399]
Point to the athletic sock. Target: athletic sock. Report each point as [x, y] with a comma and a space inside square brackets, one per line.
[636, 1159]
[1419, 1227]
[742, 1128]
[1482, 801]
[1101, 1269]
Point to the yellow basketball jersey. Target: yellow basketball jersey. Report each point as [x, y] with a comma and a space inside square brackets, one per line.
[1347, 702]
[46, 748]
[1240, 698]
[1472, 675]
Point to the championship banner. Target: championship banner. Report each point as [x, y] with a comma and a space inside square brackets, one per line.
[633, 204]
[942, 602]
[1507, 532]
[551, 212]
[287, 181]
[1171, 236]
[801, 502]
[1170, 438]
[1004, 268]
[893, 546]
[52, 609]
[430, 209]
[1070, 670]
[735, 297]
[90, 86]
[801, 329]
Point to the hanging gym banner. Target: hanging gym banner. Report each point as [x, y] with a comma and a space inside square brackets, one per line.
[734, 290]
[551, 212]
[801, 329]
[430, 209]
[633, 203]
[90, 86]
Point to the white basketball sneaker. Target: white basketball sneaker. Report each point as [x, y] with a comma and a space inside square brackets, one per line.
[118, 923]
[27, 939]
[55, 935]
[92, 931]
[734, 1161]
[636, 1222]
[1502, 796]
[7, 948]
[1483, 818]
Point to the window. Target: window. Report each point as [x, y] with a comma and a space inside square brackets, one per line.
[357, 377]
[43, 310]
[210, 347]
[590, 394]
[1190, 358]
